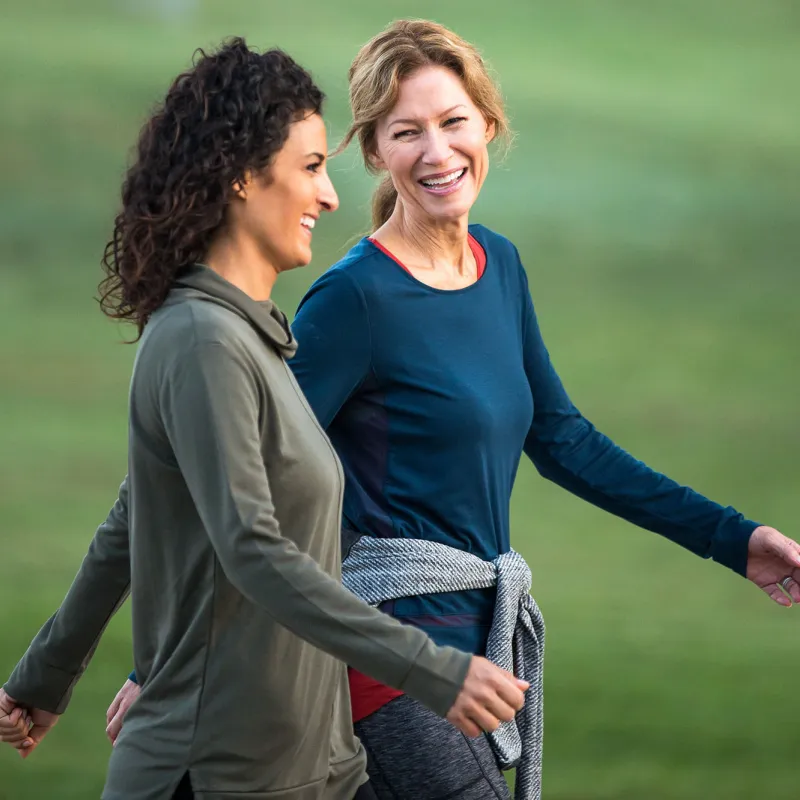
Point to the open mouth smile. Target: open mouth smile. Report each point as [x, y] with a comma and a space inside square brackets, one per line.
[445, 182]
[307, 223]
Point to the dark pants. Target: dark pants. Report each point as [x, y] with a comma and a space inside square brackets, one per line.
[184, 791]
[365, 792]
[412, 754]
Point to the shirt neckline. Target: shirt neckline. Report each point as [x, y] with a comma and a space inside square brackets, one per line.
[477, 248]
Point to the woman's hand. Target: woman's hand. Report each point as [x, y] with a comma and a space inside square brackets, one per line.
[772, 558]
[119, 708]
[14, 721]
[23, 728]
[489, 696]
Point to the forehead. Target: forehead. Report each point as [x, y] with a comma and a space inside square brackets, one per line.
[428, 92]
[307, 135]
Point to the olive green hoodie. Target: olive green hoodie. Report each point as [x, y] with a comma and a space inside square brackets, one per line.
[226, 533]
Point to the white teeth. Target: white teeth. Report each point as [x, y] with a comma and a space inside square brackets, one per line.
[308, 222]
[444, 180]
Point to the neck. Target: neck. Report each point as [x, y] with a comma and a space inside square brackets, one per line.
[240, 262]
[434, 245]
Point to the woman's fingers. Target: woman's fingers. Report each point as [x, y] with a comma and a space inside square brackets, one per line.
[15, 736]
[115, 715]
[14, 727]
[791, 587]
[488, 711]
[467, 727]
[485, 720]
[786, 591]
[778, 596]
[488, 696]
[113, 708]
[113, 728]
[512, 692]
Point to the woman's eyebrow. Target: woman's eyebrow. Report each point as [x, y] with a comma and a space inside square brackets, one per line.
[414, 121]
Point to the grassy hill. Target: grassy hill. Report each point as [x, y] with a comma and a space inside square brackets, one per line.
[654, 193]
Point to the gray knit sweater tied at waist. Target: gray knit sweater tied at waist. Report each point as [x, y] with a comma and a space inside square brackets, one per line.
[381, 569]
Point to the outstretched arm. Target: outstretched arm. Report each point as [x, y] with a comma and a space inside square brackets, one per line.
[568, 450]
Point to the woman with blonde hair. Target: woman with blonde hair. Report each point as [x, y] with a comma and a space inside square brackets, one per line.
[421, 354]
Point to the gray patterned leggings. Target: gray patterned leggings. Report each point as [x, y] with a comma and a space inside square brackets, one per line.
[412, 754]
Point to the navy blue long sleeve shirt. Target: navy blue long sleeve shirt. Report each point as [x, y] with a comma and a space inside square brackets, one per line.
[431, 396]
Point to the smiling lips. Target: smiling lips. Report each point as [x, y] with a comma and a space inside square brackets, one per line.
[444, 182]
[308, 223]
[441, 184]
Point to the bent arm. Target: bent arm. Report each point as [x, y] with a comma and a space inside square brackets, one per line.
[216, 438]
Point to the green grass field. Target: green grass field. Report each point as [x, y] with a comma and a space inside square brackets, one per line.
[654, 193]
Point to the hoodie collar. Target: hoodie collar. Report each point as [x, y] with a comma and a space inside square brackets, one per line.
[199, 282]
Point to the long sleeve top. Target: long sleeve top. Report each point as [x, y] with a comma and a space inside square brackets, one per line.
[432, 396]
[226, 533]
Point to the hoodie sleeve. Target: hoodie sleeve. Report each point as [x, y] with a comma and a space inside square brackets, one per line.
[334, 345]
[62, 649]
[216, 439]
[567, 449]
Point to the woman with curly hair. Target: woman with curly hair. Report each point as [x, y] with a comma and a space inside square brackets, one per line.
[226, 529]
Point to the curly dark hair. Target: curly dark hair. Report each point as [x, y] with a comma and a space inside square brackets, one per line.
[226, 116]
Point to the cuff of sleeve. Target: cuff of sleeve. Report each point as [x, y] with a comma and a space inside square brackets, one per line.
[132, 677]
[44, 687]
[437, 677]
[730, 545]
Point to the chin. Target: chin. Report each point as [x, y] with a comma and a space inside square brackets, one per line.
[453, 214]
[298, 261]
[450, 212]
[303, 258]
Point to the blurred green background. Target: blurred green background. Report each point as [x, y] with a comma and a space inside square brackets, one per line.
[654, 193]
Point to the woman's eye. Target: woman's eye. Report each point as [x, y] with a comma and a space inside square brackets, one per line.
[402, 134]
[455, 120]
[314, 167]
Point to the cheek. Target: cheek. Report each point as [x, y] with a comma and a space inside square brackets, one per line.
[283, 210]
[484, 161]
[270, 222]
[475, 145]
[265, 217]
[400, 162]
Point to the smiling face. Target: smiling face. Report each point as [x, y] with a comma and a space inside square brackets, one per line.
[280, 206]
[434, 145]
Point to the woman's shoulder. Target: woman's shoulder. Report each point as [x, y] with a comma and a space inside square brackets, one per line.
[192, 331]
[494, 243]
[503, 256]
[357, 264]
[190, 320]
[352, 276]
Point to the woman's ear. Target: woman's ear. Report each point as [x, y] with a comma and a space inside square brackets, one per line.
[375, 161]
[240, 186]
[491, 130]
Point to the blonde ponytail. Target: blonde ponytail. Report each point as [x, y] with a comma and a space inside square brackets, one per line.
[383, 202]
